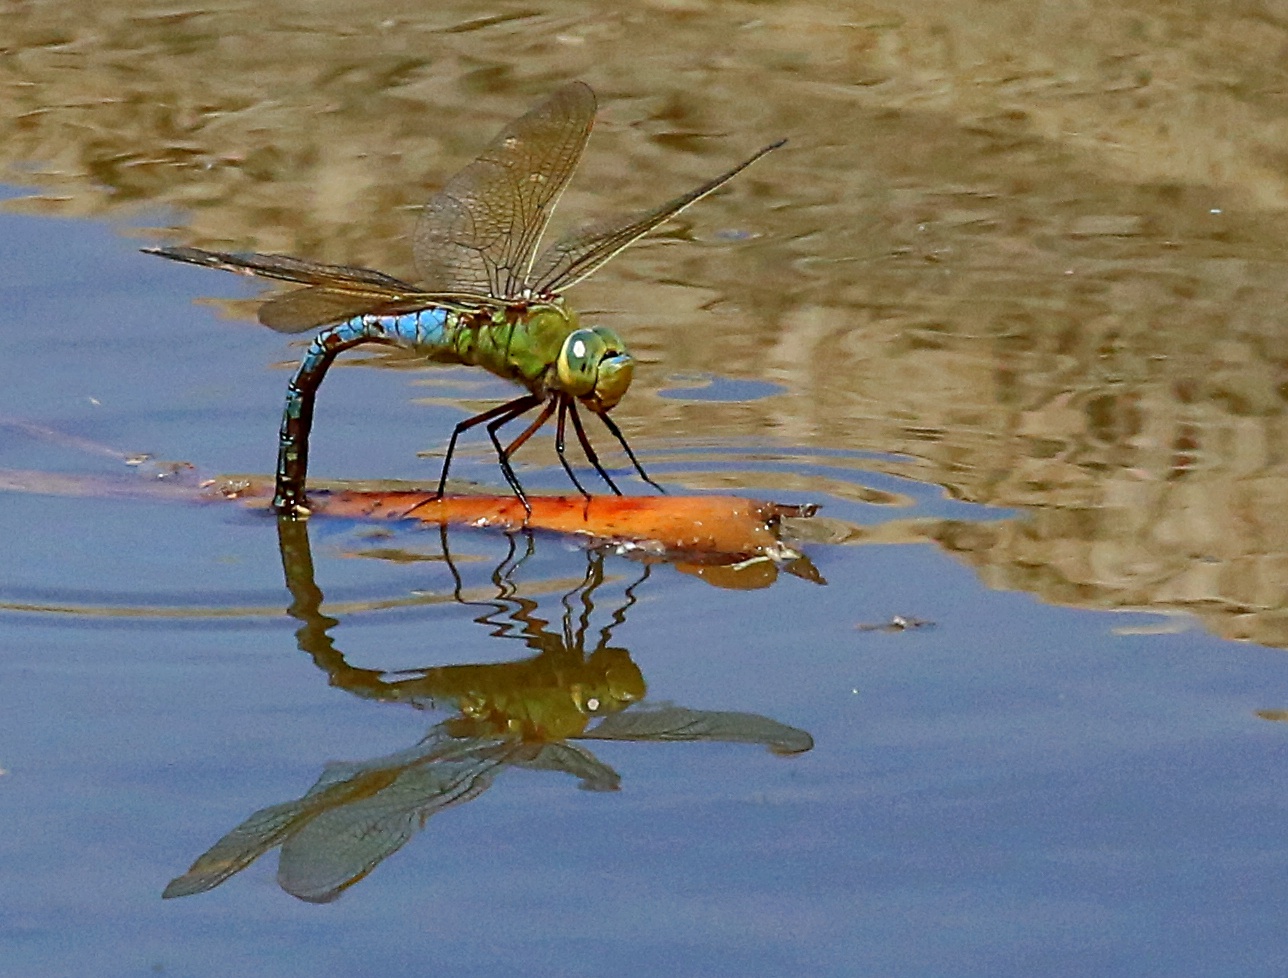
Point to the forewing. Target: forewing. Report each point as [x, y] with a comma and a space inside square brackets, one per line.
[479, 233]
[287, 269]
[578, 254]
[682, 723]
[343, 844]
[335, 293]
[241, 847]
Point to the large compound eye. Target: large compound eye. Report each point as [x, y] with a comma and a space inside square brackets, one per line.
[578, 362]
[613, 372]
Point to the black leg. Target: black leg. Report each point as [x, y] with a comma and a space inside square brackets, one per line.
[617, 433]
[509, 410]
[527, 432]
[564, 404]
[517, 407]
[590, 451]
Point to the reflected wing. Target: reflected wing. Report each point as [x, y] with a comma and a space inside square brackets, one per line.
[593, 773]
[681, 723]
[334, 293]
[357, 814]
[342, 845]
[240, 847]
[573, 257]
[480, 232]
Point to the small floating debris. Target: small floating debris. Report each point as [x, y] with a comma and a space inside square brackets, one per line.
[898, 623]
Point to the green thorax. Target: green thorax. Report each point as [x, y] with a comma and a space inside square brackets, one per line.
[519, 343]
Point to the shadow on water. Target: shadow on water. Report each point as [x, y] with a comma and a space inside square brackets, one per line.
[533, 713]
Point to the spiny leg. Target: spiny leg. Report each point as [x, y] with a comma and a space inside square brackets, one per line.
[508, 410]
[297, 418]
[621, 439]
[586, 447]
[564, 404]
[503, 454]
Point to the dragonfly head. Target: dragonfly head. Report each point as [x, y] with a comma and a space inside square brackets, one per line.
[594, 367]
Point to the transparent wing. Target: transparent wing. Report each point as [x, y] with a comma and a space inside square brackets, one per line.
[305, 309]
[334, 293]
[578, 254]
[593, 773]
[356, 815]
[339, 847]
[238, 849]
[682, 723]
[262, 831]
[479, 233]
[287, 269]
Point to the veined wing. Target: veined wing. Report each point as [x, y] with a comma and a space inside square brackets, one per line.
[478, 235]
[356, 815]
[671, 723]
[343, 844]
[238, 849]
[593, 773]
[305, 309]
[287, 269]
[578, 254]
[333, 293]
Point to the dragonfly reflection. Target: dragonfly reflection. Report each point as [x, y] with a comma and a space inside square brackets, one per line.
[522, 714]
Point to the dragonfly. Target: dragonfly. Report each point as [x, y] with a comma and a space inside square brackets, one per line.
[486, 296]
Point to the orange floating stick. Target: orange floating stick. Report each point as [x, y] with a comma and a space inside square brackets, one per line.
[729, 541]
[724, 525]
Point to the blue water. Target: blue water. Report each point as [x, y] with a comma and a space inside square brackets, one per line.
[1015, 789]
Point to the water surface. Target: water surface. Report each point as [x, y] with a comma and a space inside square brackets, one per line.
[1009, 305]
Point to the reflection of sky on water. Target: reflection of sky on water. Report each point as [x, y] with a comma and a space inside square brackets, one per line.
[1021, 788]
[1017, 759]
[705, 387]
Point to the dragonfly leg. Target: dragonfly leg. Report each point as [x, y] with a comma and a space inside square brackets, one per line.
[611, 425]
[589, 449]
[564, 404]
[297, 419]
[503, 454]
[509, 411]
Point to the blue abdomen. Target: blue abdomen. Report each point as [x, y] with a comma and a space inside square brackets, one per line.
[424, 331]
